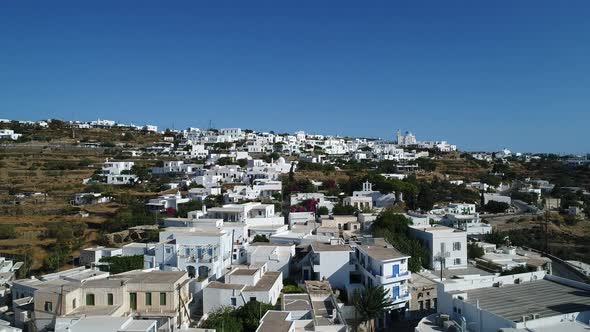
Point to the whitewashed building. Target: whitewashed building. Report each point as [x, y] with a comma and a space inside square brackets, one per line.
[444, 244]
[243, 284]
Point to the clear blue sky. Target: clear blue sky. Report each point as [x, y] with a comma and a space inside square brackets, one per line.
[481, 74]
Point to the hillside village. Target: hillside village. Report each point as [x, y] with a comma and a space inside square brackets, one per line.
[141, 229]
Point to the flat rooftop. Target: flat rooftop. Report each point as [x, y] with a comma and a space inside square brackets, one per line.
[244, 272]
[220, 285]
[296, 302]
[275, 321]
[265, 282]
[382, 253]
[318, 247]
[154, 277]
[543, 297]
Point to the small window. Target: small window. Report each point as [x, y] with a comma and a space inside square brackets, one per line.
[73, 303]
[48, 306]
[148, 298]
[233, 301]
[89, 299]
[456, 246]
[253, 298]
[162, 298]
[457, 261]
[110, 300]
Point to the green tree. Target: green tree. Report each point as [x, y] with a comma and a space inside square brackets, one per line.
[426, 198]
[342, 210]
[322, 211]
[370, 303]
[474, 251]
[260, 238]
[224, 319]
[496, 207]
[225, 161]
[120, 264]
[393, 227]
[142, 172]
[251, 313]
[184, 209]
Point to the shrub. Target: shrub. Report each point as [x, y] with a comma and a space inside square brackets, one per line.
[7, 232]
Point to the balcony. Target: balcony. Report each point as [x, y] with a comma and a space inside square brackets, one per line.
[403, 297]
[398, 277]
[383, 280]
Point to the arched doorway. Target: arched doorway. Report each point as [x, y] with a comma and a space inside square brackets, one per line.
[203, 271]
[191, 271]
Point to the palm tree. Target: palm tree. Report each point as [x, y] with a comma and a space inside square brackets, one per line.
[370, 303]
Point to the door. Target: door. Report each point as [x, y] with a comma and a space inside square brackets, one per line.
[395, 291]
[395, 270]
[133, 301]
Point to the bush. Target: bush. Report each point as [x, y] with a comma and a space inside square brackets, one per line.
[322, 211]
[243, 319]
[292, 289]
[260, 238]
[7, 232]
[342, 210]
[518, 270]
[496, 207]
[120, 264]
[474, 251]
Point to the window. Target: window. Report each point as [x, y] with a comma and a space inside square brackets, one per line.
[148, 298]
[89, 299]
[456, 246]
[428, 305]
[253, 298]
[420, 305]
[162, 298]
[434, 304]
[457, 261]
[233, 301]
[110, 300]
[168, 250]
[48, 306]
[74, 304]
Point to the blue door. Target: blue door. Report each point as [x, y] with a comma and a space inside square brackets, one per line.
[395, 270]
[395, 291]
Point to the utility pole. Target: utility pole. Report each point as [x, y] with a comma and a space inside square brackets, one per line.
[546, 250]
[442, 258]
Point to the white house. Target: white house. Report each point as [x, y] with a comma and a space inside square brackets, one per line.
[444, 244]
[260, 189]
[532, 301]
[165, 202]
[118, 172]
[380, 264]
[90, 198]
[202, 252]
[9, 134]
[330, 262]
[471, 223]
[243, 284]
[93, 255]
[277, 256]
[248, 213]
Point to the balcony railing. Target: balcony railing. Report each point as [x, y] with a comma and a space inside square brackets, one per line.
[401, 274]
[401, 297]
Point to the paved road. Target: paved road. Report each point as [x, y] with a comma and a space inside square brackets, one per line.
[560, 270]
